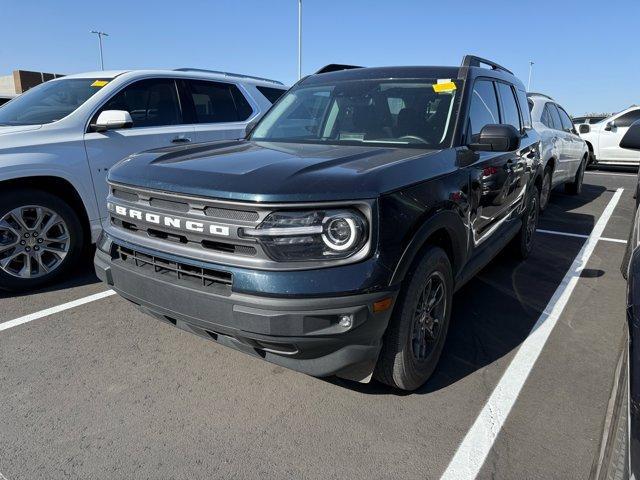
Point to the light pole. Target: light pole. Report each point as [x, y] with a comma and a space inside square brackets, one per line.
[530, 70]
[299, 39]
[100, 35]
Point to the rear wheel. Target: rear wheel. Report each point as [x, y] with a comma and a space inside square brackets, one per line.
[575, 187]
[40, 238]
[418, 328]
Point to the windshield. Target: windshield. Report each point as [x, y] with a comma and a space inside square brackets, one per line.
[49, 101]
[416, 113]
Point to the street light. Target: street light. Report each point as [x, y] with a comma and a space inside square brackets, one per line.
[100, 35]
[299, 39]
[530, 70]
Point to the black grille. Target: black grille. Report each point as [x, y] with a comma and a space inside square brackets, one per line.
[131, 197]
[181, 272]
[230, 214]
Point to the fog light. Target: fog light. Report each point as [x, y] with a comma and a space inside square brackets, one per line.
[345, 321]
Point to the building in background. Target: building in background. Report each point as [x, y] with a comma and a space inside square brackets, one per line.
[20, 81]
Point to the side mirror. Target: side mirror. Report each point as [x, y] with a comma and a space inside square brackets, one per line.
[631, 139]
[497, 138]
[249, 128]
[584, 128]
[112, 120]
[610, 125]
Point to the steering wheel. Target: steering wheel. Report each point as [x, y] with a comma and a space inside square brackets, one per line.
[413, 137]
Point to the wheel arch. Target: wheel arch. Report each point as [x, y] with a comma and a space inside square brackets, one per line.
[444, 229]
[57, 186]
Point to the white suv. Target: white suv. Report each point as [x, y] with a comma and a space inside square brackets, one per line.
[603, 139]
[563, 153]
[58, 140]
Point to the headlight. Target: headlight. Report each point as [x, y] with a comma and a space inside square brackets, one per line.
[328, 234]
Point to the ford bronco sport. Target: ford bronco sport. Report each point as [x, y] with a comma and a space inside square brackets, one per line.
[332, 238]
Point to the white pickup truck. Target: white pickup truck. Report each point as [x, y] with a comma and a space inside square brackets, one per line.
[603, 139]
[58, 140]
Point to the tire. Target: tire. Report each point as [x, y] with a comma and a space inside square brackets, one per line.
[522, 244]
[545, 189]
[416, 333]
[40, 238]
[575, 187]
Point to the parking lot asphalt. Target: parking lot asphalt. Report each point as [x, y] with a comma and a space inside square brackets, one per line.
[103, 391]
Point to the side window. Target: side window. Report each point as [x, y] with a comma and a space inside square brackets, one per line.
[555, 116]
[628, 118]
[484, 108]
[217, 102]
[272, 94]
[546, 118]
[525, 108]
[567, 124]
[151, 103]
[510, 114]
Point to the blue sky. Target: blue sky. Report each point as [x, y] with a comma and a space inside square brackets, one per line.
[585, 52]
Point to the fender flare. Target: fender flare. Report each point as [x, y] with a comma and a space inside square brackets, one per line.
[447, 220]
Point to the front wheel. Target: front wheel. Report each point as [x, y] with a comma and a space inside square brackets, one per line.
[40, 238]
[418, 328]
[522, 244]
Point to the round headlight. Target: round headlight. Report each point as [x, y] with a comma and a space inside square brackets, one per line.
[340, 233]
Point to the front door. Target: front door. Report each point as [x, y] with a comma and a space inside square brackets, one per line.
[157, 122]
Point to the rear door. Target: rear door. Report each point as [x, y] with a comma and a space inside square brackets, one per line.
[611, 134]
[157, 122]
[218, 110]
[495, 176]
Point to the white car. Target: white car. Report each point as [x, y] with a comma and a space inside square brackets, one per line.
[564, 154]
[603, 139]
[58, 140]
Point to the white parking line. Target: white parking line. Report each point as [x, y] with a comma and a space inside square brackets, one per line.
[50, 311]
[2, 477]
[580, 235]
[614, 174]
[479, 440]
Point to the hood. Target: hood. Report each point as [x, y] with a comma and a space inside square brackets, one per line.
[279, 172]
[5, 130]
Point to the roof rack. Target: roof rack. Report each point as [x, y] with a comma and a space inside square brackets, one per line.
[226, 74]
[336, 67]
[540, 95]
[473, 61]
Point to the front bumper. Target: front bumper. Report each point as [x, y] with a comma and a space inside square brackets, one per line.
[303, 334]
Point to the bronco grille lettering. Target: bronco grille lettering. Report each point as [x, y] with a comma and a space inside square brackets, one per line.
[168, 221]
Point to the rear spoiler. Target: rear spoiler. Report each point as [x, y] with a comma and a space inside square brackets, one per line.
[336, 67]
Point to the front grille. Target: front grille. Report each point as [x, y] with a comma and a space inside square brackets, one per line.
[230, 214]
[207, 278]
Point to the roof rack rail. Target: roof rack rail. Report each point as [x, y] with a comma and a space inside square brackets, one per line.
[336, 67]
[226, 74]
[474, 61]
[540, 95]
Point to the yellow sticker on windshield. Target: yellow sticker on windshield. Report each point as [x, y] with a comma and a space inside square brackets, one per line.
[99, 83]
[444, 86]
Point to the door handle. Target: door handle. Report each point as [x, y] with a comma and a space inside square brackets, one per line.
[181, 140]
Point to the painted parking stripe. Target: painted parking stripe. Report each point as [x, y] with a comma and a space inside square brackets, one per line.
[580, 235]
[613, 174]
[479, 440]
[50, 311]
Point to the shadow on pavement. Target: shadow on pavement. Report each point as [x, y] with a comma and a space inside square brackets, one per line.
[81, 274]
[495, 312]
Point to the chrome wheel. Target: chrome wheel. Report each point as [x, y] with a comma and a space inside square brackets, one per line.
[34, 241]
[429, 316]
